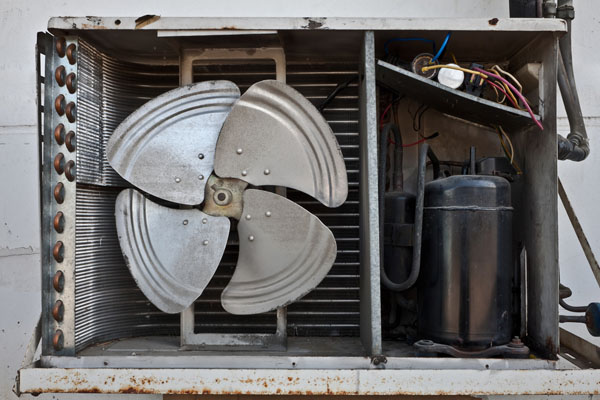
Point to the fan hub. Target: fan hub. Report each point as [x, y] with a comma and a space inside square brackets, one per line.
[223, 197]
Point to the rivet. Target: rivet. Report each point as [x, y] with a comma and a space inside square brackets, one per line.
[248, 216]
[71, 112]
[61, 46]
[201, 156]
[268, 213]
[205, 242]
[59, 163]
[58, 251]
[177, 180]
[71, 82]
[70, 141]
[58, 340]
[244, 173]
[70, 170]
[58, 310]
[58, 281]
[72, 53]
[59, 193]
[59, 222]
[59, 104]
[267, 171]
[185, 221]
[251, 238]
[59, 75]
[201, 177]
[133, 353]
[59, 134]
[239, 151]
[204, 220]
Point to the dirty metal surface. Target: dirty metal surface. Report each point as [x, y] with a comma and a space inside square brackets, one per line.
[285, 252]
[167, 146]
[310, 382]
[172, 253]
[291, 144]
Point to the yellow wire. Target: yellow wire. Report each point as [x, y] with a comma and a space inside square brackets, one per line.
[454, 58]
[508, 74]
[501, 133]
[511, 94]
[470, 71]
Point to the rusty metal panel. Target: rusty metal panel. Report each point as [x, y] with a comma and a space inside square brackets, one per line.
[310, 382]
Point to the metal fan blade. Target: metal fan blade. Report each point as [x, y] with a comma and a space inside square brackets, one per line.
[285, 252]
[171, 253]
[166, 147]
[275, 136]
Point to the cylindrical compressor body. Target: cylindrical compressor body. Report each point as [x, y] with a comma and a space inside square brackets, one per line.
[467, 262]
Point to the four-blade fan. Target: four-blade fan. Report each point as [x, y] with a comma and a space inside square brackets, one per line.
[270, 136]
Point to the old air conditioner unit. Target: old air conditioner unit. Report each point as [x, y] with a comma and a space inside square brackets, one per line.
[208, 228]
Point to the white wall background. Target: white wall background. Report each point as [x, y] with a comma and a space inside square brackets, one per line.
[19, 222]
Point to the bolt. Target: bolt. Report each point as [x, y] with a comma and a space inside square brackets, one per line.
[244, 173]
[201, 156]
[268, 213]
[251, 238]
[205, 242]
[248, 217]
[204, 220]
[239, 151]
[177, 180]
[201, 177]
[267, 171]
[185, 221]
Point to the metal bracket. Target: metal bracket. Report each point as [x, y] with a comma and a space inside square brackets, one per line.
[515, 348]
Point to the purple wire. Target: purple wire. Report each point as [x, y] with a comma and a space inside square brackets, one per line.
[515, 91]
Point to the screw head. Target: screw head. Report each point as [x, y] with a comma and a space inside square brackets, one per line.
[204, 220]
[251, 238]
[244, 173]
[201, 156]
[267, 171]
[205, 242]
[185, 221]
[268, 213]
[248, 217]
[239, 151]
[201, 177]
[177, 180]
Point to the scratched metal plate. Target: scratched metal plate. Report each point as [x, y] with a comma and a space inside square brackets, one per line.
[275, 136]
[166, 147]
[285, 252]
[172, 253]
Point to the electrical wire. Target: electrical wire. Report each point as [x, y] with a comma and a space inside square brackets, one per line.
[335, 92]
[441, 50]
[502, 132]
[408, 39]
[470, 71]
[511, 76]
[515, 91]
[498, 87]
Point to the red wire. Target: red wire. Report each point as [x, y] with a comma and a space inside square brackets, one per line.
[415, 143]
[384, 114]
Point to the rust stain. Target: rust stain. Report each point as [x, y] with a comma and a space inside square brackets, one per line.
[146, 20]
[229, 28]
[92, 26]
[493, 21]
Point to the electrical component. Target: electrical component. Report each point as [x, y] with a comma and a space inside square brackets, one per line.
[453, 78]
[420, 62]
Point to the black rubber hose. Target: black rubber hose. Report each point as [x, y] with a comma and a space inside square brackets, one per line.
[435, 163]
[418, 226]
[572, 318]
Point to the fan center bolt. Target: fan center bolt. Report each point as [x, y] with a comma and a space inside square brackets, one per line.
[222, 197]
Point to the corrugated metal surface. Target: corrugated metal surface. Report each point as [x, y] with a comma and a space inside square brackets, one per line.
[109, 305]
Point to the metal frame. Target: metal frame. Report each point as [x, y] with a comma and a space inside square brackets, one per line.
[271, 373]
[188, 58]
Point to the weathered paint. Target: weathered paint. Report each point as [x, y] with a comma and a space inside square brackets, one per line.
[310, 382]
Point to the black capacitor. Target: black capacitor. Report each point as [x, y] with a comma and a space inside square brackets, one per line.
[398, 227]
[464, 291]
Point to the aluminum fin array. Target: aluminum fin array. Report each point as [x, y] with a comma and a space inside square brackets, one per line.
[166, 147]
[172, 254]
[285, 252]
[291, 144]
[270, 136]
